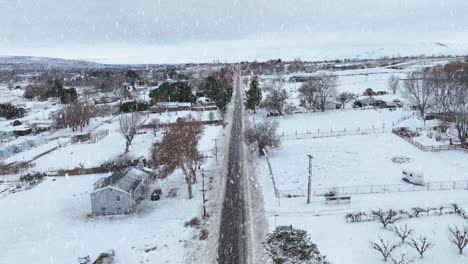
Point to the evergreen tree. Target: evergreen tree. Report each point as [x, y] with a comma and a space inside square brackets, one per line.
[219, 91]
[254, 96]
[287, 245]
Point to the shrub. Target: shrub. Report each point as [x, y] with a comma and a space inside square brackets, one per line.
[194, 222]
[133, 107]
[10, 111]
[17, 123]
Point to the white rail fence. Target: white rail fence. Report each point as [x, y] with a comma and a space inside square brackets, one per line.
[370, 189]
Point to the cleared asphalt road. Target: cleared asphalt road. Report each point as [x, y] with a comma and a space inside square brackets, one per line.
[232, 240]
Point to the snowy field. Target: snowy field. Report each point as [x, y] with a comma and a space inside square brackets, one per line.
[338, 120]
[362, 160]
[358, 161]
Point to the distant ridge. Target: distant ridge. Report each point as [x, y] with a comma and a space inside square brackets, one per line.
[44, 63]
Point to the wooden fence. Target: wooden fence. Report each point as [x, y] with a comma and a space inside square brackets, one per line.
[161, 125]
[430, 148]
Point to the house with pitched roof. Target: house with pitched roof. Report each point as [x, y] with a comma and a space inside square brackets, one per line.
[120, 192]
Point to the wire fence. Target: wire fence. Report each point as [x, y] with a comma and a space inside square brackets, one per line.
[321, 133]
[372, 189]
[334, 133]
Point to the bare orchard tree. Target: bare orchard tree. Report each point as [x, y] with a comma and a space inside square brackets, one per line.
[419, 90]
[384, 248]
[459, 237]
[386, 217]
[318, 91]
[393, 83]
[178, 149]
[421, 245]
[276, 100]
[401, 260]
[129, 125]
[402, 232]
[263, 135]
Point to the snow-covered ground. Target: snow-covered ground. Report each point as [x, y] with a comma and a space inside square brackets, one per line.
[360, 160]
[53, 226]
[49, 224]
[338, 120]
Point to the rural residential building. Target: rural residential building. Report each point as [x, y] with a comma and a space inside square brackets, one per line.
[120, 192]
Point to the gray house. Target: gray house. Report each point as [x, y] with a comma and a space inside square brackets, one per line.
[120, 192]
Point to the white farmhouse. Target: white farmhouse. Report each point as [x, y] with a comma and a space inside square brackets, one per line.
[120, 192]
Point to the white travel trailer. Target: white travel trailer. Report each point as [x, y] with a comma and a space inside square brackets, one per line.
[413, 177]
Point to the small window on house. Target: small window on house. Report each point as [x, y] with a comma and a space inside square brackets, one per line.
[119, 209]
[103, 209]
[117, 197]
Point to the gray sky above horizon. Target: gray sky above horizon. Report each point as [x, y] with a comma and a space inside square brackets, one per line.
[31, 24]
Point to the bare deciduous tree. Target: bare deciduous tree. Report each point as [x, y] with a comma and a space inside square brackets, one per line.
[386, 217]
[276, 100]
[421, 245]
[178, 149]
[129, 125]
[263, 135]
[419, 90]
[384, 248]
[451, 95]
[459, 237]
[402, 232]
[344, 98]
[75, 115]
[318, 91]
[393, 83]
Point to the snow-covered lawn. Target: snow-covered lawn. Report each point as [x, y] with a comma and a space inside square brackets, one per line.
[49, 224]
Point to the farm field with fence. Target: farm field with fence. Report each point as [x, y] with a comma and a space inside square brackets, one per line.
[364, 160]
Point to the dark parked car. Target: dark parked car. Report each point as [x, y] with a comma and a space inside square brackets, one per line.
[156, 194]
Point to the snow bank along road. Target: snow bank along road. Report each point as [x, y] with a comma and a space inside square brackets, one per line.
[232, 239]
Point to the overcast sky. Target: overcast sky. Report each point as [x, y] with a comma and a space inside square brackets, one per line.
[29, 26]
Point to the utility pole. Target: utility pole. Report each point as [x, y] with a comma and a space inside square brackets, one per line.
[216, 150]
[309, 178]
[205, 215]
